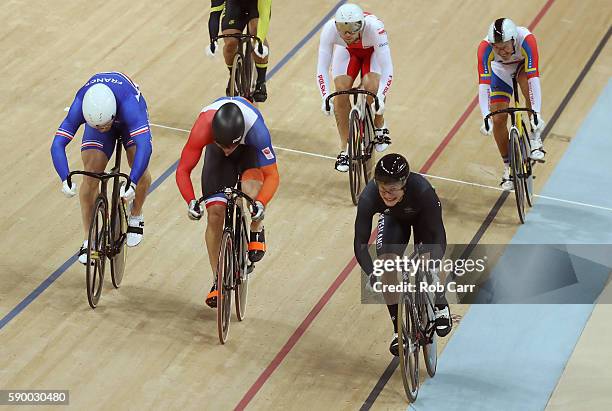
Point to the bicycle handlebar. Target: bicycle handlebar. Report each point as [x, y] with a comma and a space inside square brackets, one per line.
[228, 192]
[354, 92]
[511, 111]
[99, 176]
[242, 36]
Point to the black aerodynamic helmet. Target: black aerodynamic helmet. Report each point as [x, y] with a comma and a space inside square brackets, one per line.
[228, 124]
[392, 168]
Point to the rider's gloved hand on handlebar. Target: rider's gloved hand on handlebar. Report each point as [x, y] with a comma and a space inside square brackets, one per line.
[486, 129]
[194, 212]
[264, 52]
[381, 105]
[331, 108]
[211, 49]
[129, 194]
[69, 191]
[257, 214]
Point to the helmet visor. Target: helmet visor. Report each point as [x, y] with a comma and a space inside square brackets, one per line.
[350, 28]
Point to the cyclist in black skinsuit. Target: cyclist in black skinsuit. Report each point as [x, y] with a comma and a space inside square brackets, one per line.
[404, 200]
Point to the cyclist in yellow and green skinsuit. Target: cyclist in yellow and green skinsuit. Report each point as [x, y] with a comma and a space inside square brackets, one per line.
[234, 16]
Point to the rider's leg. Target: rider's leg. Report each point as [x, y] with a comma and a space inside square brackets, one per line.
[370, 82]
[391, 243]
[252, 180]
[96, 149]
[218, 171]
[143, 184]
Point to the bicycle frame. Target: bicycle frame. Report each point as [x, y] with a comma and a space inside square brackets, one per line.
[114, 246]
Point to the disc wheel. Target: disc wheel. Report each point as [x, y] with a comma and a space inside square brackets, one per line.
[408, 348]
[430, 350]
[119, 238]
[516, 164]
[527, 166]
[356, 169]
[242, 274]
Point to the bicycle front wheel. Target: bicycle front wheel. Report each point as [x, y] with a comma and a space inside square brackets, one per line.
[119, 243]
[516, 163]
[249, 73]
[408, 347]
[225, 271]
[236, 76]
[355, 158]
[96, 249]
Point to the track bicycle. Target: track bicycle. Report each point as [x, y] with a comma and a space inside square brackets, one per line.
[243, 75]
[361, 138]
[107, 236]
[233, 267]
[416, 329]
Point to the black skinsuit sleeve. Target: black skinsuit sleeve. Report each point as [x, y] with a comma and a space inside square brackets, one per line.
[214, 20]
[363, 229]
[431, 227]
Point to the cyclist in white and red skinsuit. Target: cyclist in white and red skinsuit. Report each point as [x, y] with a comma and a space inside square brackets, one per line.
[355, 42]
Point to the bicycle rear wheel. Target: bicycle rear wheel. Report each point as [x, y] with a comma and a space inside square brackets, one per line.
[527, 167]
[368, 146]
[355, 156]
[242, 275]
[96, 248]
[516, 164]
[236, 76]
[119, 243]
[430, 350]
[225, 271]
[408, 347]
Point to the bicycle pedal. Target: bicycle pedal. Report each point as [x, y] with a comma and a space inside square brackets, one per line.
[250, 268]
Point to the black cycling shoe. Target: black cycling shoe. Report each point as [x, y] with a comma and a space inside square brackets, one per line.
[444, 323]
[394, 346]
[260, 94]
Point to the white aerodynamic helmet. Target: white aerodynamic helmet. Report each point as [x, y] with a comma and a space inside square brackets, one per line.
[349, 18]
[99, 105]
[502, 30]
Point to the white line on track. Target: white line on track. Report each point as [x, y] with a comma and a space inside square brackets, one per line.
[452, 180]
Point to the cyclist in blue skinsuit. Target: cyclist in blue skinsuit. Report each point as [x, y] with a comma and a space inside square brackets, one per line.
[113, 109]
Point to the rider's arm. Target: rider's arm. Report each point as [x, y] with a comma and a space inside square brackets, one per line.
[383, 56]
[485, 56]
[200, 136]
[326, 48]
[363, 229]
[214, 19]
[136, 120]
[259, 137]
[64, 135]
[431, 224]
[530, 51]
[264, 8]
[271, 180]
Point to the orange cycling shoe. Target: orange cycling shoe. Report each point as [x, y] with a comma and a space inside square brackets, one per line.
[211, 298]
[257, 246]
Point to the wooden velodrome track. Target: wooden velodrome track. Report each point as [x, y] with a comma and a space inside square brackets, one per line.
[153, 344]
